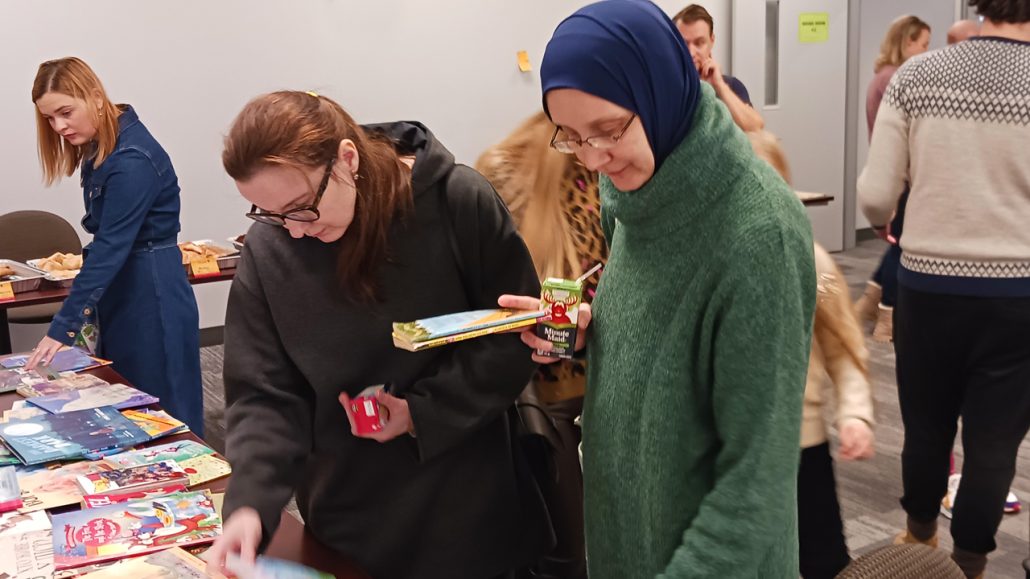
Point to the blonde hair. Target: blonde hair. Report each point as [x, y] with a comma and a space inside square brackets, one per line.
[767, 146]
[892, 50]
[73, 77]
[534, 194]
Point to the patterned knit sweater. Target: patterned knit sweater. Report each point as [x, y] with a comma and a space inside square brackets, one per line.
[698, 353]
[955, 123]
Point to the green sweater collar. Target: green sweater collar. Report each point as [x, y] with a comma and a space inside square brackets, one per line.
[697, 173]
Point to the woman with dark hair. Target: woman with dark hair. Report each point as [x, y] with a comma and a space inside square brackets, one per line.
[702, 321]
[954, 124]
[358, 227]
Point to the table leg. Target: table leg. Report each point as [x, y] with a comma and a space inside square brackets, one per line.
[5, 333]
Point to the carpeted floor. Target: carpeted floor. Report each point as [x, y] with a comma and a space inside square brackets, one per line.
[868, 490]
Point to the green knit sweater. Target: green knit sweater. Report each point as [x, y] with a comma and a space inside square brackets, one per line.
[697, 357]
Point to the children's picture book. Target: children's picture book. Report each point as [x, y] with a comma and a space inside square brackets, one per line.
[174, 563]
[70, 435]
[117, 395]
[134, 528]
[16, 378]
[49, 488]
[450, 328]
[20, 410]
[26, 546]
[140, 478]
[124, 496]
[156, 423]
[67, 382]
[205, 468]
[271, 568]
[179, 451]
[65, 360]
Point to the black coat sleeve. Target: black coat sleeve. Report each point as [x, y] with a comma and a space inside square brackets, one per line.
[269, 404]
[482, 377]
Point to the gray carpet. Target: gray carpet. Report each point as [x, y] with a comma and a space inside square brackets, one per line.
[868, 490]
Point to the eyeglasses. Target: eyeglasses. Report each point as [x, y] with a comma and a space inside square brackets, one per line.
[569, 146]
[304, 213]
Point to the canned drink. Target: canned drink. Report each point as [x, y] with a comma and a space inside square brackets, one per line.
[367, 416]
[561, 299]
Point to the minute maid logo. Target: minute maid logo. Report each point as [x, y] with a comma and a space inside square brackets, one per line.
[813, 27]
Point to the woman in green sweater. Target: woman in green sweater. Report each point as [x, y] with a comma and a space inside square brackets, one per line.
[699, 342]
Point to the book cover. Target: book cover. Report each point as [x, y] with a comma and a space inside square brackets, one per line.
[70, 435]
[134, 528]
[124, 496]
[178, 451]
[67, 382]
[21, 410]
[271, 568]
[205, 468]
[462, 323]
[145, 477]
[49, 488]
[16, 378]
[174, 563]
[119, 396]
[155, 423]
[65, 360]
[26, 547]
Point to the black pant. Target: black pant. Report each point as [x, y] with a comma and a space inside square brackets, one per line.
[969, 358]
[823, 553]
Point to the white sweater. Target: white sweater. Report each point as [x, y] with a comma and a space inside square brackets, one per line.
[955, 124]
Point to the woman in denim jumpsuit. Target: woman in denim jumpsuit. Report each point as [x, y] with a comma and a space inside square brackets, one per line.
[132, 283]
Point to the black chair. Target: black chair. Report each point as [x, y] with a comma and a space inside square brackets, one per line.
[903, 562]
[26, 235]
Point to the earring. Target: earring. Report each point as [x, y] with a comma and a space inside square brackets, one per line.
[355, 176]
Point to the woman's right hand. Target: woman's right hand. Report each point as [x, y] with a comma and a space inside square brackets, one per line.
[528, 334]
[241, 534]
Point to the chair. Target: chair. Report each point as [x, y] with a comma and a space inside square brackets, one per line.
[909, 561]
[26, 235]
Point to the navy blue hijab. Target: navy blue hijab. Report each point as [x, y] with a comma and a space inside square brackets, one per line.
[629, 53]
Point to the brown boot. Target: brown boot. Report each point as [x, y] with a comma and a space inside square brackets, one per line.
[884, 330]
[865, 307]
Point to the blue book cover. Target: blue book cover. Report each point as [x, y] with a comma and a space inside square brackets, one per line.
[67, 360]
[117, 395]
[71, 435]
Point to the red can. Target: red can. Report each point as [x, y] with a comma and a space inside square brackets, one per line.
[365, 408]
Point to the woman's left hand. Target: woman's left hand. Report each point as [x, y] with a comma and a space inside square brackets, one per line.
[856, 440]
[397, 420]
[44, 352]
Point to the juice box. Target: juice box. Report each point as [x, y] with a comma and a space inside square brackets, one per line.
[561, 298]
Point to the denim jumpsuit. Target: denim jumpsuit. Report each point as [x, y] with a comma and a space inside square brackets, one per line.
[132, 280]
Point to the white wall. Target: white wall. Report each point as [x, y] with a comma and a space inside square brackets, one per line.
[876, 16]
[189, 66]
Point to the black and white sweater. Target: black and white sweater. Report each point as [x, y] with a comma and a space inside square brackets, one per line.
[955, 124]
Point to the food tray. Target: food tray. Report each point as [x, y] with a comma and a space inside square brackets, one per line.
[237, 241]
[25, 278]
[52, 279]
[227, 261]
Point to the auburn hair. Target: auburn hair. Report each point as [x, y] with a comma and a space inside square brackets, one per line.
[529, 175]
[892, 50]
[73, 77]
[302, 130]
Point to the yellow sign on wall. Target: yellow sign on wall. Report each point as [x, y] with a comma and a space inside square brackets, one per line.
[813, 27]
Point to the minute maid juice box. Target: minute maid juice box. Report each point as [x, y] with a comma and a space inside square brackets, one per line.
[561, 299]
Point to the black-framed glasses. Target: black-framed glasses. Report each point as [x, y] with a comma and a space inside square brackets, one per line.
[304, 213]
[570, 146]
